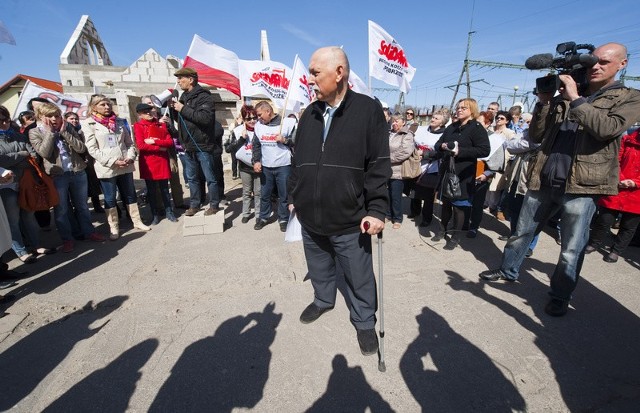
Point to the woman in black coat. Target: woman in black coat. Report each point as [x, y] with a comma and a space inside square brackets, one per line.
[464, 141]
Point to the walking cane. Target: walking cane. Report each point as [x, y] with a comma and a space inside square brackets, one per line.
[382, 367]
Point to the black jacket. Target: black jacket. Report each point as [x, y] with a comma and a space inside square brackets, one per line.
[198, 115]
[473, 143]
[333, 185]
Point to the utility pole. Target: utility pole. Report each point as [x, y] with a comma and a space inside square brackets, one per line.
[465, 68]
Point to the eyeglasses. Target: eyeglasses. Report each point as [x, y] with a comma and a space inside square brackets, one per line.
[500, 118]
[250, 118]
[409, 113]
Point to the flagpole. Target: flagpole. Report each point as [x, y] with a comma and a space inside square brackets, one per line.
[286, 99]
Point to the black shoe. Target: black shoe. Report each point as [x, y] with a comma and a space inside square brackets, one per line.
[259, 224]
[529, 253]
[424, 224]
[283, 227]
[245, 220]
[191, 212]
[472, 233]
[412, 215]
[494, 275]
[438, 237]
[503, 237]
[312, 313]
[7, 284]
[211, 211]
[451, 244]
[556, 307]
[611, 257]
[368, 340]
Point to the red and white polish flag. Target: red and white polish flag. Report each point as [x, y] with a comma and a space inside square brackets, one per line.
[387, 61]
[215, 65]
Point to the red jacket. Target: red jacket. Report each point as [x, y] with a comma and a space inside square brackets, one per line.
[154, 159]
[628, 199]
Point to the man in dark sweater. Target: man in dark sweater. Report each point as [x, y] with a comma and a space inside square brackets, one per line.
[338, 189]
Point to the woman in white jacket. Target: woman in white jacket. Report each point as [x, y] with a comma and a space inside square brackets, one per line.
[109, 142]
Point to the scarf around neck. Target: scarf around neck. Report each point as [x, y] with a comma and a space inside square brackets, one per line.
[108, 122]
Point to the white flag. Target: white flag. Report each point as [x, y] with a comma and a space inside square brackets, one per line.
[66, 103]
[357, 85]
[299, 91]
[266, 79]
[387, 61]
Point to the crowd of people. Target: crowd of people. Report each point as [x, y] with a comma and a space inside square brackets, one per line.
[524, 168]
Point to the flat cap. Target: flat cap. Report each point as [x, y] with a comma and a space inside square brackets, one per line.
[186, 71]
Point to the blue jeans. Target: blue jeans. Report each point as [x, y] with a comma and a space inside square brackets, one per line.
[17, 217]
[201, 161]
[395, 187]
[576, 212]
[153, 186]
[274, 176]
[74, 184]
[515, 206]
[123, 182]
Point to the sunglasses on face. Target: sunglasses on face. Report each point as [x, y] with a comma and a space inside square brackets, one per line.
[409, 113]
[501, 118]
[250, 118]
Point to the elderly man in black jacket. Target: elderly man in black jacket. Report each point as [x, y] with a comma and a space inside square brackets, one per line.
[196, 124]
[338, 189]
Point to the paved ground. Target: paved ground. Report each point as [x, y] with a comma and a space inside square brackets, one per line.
[156, 321]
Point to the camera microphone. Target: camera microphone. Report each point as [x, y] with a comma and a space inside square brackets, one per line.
[539, 61]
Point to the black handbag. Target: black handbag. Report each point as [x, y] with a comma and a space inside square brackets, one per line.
[451, 183]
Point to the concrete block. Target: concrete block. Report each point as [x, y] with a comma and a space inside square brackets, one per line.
[131, 78]
[195, 221]
[188, 231]
[214, 228]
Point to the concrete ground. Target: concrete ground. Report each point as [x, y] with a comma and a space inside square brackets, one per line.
[160, 322]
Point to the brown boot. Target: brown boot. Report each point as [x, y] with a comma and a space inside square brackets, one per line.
[114, 223]
[134, 213]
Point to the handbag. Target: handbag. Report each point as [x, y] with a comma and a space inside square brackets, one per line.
[36, 189]
[410, 167]
[451, 183]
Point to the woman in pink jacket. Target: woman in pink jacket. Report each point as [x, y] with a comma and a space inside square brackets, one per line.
[627, 202]
[153, 140]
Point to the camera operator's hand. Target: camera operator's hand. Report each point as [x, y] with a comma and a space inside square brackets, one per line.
[569, 88]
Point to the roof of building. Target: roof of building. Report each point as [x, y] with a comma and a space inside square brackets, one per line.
[47, 84]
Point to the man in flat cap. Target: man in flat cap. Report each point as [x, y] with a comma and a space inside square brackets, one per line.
[196, 126]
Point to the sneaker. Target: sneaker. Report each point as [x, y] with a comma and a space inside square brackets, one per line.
[472, 233]
[67, 246]
[451, 244]
[504, 237]
[245, 219]
[494, 275]
[97, 237]
[556, 307]
[368, 341]
[259, 224]
[438, 237]
[283, 227]
[529, 253]
[312, 313]
[6, 284]
[191, 211]
[211, 211]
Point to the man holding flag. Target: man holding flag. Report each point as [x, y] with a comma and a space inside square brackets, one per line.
[338, 190]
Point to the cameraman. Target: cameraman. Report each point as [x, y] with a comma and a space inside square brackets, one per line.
[579, 134]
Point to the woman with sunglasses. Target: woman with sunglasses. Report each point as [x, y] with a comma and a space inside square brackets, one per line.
[109, 142]
[241, 138]
[494, 198]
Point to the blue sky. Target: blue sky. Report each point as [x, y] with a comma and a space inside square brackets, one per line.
[433, 35]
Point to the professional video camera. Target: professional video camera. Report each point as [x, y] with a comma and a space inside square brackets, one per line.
[568, 61]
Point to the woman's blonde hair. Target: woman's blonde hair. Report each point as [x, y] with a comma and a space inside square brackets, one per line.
[95, 99]
[47, 109]
[473, 106]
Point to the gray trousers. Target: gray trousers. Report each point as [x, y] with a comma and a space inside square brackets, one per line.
[327, 256]
[250, 184]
